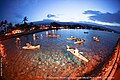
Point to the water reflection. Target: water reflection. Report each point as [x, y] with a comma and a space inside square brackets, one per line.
[18, 42]
[41, 36]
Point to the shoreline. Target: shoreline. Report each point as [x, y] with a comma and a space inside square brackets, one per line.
[109, 68]
[117, 72]
[22, 34]
[35, 31]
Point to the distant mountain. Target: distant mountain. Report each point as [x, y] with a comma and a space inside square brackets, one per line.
[111, 28]
[48, 21]
[44, 21]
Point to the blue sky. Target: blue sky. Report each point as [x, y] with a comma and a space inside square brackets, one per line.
[60, 10]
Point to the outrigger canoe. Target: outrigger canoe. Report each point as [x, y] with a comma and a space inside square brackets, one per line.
[78, 55]
[80, 41]
[31, 47]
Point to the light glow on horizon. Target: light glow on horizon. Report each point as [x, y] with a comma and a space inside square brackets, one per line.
[105, 23]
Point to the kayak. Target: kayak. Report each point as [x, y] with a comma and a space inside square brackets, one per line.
[96, 39]
[31, 47]
[78, 55]
[71, 38]
[78, 42]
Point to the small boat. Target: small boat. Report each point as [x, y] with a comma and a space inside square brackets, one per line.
[78, 55]
[96, 39]
[85, 32]
[71, 38]
[31, 47]
[79, 41]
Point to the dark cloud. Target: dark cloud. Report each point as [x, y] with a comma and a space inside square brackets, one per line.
[104, 17]
[92, 12]
[51, 15]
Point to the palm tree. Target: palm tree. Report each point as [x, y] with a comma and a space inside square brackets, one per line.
[1, 25]
[25, 19]
[5, 25]
[10, 26]
[5, 22]
[2, 22]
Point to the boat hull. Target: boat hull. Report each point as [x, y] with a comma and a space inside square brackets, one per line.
[31, 47]
[77, 55]
[96, 39]
[79, 42]
[71, 38]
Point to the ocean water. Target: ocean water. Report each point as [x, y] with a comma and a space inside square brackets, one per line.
[116, 28]
[52, 60]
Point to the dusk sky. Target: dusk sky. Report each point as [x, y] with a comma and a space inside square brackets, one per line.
[98, 11]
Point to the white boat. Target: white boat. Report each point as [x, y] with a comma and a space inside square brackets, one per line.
[78, 55]
[31, 47]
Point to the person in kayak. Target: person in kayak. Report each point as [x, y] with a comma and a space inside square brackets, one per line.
[76, 50]
[28, 45]
[68, 47]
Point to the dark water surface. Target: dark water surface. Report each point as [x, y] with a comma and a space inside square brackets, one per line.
[52, 60]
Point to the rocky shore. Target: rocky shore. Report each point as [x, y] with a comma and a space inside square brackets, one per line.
[109, 68]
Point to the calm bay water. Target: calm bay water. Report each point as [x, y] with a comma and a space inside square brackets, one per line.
[52, 59]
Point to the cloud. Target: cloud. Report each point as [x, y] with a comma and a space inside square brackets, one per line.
[51, 16]
[104, 17]
[92, 12]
